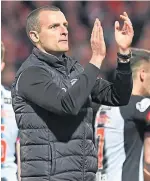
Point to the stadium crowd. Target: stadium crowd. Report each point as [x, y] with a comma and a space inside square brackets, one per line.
[81, 16]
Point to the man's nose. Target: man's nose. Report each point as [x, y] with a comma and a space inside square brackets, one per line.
[64, 31]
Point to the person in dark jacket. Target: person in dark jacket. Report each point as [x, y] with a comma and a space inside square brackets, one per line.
[52, 95]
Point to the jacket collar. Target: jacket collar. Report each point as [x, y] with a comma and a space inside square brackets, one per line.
[62, 63]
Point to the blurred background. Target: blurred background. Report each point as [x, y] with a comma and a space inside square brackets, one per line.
[81, 16]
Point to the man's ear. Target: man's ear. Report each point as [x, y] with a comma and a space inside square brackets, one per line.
[34, 36]
[142, 75]
[2, 66]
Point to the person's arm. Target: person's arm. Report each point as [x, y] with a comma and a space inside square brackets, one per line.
[18, 159]
[116, 93]
[36, 85]
[119, 92]
[147, 156]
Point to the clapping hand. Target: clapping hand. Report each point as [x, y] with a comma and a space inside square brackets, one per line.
[125, 34]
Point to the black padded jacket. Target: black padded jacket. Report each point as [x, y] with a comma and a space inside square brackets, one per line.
[52, 99]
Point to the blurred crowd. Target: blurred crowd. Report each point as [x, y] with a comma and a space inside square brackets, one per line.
[81, 16]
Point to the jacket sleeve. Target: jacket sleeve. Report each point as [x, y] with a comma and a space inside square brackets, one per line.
[117, 93]
[36, 85]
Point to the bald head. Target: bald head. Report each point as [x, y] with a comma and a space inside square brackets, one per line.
[47, 28]
[33, 23]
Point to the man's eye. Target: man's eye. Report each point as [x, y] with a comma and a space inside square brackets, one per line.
[66, 26]
[54, 27]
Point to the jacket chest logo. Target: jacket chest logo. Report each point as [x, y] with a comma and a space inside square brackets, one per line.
[73, 81]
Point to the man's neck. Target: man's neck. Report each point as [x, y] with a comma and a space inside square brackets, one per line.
[136, 88]
[57, 54]
[136, 92]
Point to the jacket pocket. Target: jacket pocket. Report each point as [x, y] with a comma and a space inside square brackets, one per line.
[52, 153]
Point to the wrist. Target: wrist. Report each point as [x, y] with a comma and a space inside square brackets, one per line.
[123, 61]
[97, 57]
[97, 61]
[96, 64]
[124, 51]
[124, 56]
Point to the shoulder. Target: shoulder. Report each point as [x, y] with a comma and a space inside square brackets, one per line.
[139, 103]
[128, 110]
[134, 99]
[142, 104]
[31, 61]
[33, 74]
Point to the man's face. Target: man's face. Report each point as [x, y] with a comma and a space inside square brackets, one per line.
[53, 37]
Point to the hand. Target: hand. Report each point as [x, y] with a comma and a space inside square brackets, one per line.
[97, 44]
[125, 35]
